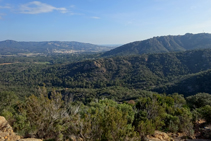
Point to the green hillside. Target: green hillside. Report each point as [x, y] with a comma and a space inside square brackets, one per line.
[157, 72]
[190, 84]
[163, 44]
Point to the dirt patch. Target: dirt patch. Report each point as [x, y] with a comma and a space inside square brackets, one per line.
[199, 140]
[6, 63]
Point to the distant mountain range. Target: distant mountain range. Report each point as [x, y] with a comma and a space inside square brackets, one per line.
[10, 47]
[163, 44]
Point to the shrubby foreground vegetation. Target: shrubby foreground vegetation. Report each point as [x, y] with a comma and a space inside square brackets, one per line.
[53, 116]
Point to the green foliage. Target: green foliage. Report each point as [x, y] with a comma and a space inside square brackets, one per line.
[7, 114]
[107, 123]
[8, 101]
[145, 128]
[21, 125]
[150, 108]
[55, 116]
[47, 118]
[183, 72]
[126, 109]
[205, 113]
[199, 100]
[163, 44]
[172, 123]
[186, 124]
[163, 112]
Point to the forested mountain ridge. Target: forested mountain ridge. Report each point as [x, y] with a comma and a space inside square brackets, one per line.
[147, 72]
[10, 47]
[164, 44]
[189, 84]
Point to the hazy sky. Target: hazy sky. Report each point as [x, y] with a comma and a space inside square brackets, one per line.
[101, 21]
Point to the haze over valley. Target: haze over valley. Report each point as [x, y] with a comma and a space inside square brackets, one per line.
[10, 47]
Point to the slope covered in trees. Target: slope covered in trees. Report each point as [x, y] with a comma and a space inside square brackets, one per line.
[189, 84]
[157, 72]
[163, 44]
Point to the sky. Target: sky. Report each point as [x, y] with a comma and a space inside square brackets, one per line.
[101, 21]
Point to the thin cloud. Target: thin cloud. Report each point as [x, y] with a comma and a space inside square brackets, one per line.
[5, 7]
[201, 26]
[72, 13]
[1, 14]
[72, 6]
[95, 17]
[37, 7]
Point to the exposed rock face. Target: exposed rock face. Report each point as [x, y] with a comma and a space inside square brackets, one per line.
[7, 134]
[160, 136]
[74, 138]
[92, 65]
[30, 139]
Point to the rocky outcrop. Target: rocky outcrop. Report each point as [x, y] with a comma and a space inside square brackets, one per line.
[74, 138]
[7, 134]
[159, 136]
[92, 65]
[30, 139]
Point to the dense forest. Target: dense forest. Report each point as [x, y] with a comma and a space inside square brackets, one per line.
[163, 44]
[182, 72]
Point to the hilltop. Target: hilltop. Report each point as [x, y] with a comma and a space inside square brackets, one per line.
[10, 47]
[163, 44]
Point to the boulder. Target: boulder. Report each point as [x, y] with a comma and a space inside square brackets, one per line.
[30, 139]
[4, 125]
[7, 134]
[6, 131]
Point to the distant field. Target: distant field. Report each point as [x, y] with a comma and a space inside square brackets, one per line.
[42, 63]
[7, 55]
[6, 63]
[29, 54]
